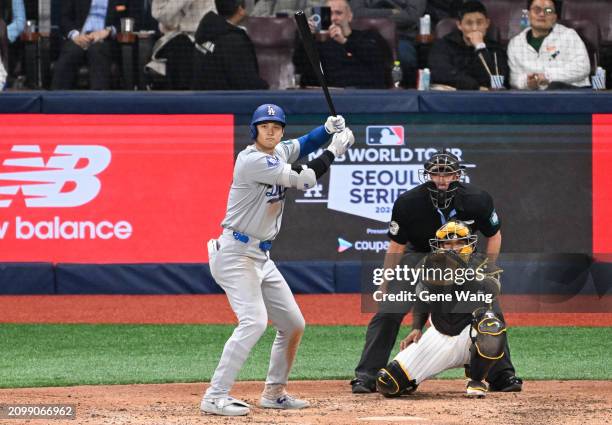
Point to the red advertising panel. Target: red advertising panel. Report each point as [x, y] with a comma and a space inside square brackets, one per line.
[602, 183]
[112, 188]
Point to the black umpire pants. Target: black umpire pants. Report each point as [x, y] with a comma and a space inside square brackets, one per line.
[380, 338]
[98, 57]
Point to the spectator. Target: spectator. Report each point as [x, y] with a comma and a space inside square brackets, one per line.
[406, 14]
[2, 76]
[178, 22]
[350, 58]
[547, 54]
[457, 59]
[89, 26]
[16, 15]
[225, 56]
[12, 12]
[273, 8]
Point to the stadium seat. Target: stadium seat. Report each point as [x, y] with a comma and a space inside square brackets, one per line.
[384, 26]
[596, 11]
[590, 34]
[506, 16]
[274, 40]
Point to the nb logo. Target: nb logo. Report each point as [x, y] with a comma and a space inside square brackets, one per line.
[271, 111]
[67, 179]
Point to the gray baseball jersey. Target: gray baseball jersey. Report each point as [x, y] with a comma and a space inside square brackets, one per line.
[256, 198]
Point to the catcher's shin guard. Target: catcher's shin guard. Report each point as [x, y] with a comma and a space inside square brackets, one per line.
[393, 380]
[488, 334]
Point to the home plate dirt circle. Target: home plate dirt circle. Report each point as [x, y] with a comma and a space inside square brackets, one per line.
[437, 402]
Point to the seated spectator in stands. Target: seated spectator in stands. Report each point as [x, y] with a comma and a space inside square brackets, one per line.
[225, 56]
[12, 12]
[2, 76]
[547, 55]
[274, 8]
[457, 59]
[14, 15]
[178, 21]
[89, 27]
[350, 58]
[405, 14]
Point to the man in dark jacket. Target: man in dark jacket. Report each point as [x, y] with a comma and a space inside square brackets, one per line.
[225, 56]
[89, 27]
[459, 58]
[350, 58]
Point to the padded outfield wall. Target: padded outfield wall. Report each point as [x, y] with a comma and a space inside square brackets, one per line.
[118, 192]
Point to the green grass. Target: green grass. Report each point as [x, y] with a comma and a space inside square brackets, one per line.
[60, 355]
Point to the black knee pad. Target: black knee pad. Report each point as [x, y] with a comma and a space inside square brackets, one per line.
[392, 381]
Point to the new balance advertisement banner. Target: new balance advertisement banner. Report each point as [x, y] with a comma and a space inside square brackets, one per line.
[108, 189]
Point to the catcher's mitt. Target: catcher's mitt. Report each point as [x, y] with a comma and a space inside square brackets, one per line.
[440, 267]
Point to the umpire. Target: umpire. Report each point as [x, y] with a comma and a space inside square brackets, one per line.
[417, 214]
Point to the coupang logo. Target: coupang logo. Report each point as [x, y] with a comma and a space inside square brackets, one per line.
[67, 177]
[376, 246]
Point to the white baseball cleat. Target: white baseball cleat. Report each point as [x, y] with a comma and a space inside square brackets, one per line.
[227, 406]
[476, 389]
[283, 402]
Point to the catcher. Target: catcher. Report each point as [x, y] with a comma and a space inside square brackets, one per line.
[464, 331]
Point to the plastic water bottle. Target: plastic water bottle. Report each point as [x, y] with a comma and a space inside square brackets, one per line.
[396, 75]
[524, 19]
[424, 78]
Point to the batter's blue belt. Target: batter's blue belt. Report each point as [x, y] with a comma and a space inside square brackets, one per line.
[265, 246]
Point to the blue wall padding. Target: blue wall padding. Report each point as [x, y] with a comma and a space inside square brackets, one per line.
[135, 279]
[309, 277]
[563, 274]
[565, 102]
[347, 275]
[602, 278]
[20, 103]
[226, 102]
[27, 278]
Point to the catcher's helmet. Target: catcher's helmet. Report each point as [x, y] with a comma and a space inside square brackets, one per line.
[441, 164]
[454, 230]
[266, 113]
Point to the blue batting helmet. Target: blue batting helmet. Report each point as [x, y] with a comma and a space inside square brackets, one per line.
[265, 113]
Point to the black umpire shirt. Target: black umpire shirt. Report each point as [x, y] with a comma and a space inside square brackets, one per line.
[415, 220]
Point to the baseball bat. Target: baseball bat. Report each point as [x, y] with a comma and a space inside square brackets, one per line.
[313, 56]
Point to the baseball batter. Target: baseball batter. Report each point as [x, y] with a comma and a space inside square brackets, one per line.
[462, 333]
[240, 260]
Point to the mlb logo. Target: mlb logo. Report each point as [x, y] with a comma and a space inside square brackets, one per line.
[385, 135]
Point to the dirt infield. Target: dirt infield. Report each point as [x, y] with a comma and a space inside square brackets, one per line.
[337, 309]
[436, 402]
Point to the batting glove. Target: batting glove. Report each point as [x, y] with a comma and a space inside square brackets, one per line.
[341, 142]
[335, 124]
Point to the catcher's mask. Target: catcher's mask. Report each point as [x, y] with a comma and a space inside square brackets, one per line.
[454, 236]
[442, 165]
